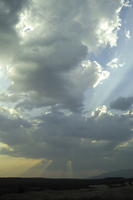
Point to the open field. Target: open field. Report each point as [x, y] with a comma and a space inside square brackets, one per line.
[102, 192]
[66, 189]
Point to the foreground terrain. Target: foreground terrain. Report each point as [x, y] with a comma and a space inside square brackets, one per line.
[115, 188]
[98, 193]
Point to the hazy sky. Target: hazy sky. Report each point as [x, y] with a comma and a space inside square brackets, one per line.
[66, 95]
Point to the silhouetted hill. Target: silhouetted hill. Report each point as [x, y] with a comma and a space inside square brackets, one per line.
[126, 173]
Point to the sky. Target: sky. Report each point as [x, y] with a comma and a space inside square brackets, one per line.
[66, 93]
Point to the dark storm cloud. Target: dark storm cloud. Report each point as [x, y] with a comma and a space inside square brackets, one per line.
[10, 13]
[47, 43]
[53, 86]
[48, 63]
[122, 103]
[9, 17]
[50, 83]
[13, 129]
[104, 127]
[62, 138]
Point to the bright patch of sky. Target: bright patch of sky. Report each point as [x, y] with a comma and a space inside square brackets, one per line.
[118, 61]
[4, 81]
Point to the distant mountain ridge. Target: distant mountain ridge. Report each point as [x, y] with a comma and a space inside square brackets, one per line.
[126, 173]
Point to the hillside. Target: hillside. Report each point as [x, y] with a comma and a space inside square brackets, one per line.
[126, 173]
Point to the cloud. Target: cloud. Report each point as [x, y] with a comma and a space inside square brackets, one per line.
[115, 63]
[122, 103]
[128, 34]
[46, 48]
[66, 89]
[63, 139]
[52, 49]
[9, 39]
[13, 127]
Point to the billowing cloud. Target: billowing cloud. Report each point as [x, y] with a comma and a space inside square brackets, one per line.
[46, 49]
[66, 139]
[122, 103]
[62, 88]
[9, 39]
[52, 49]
